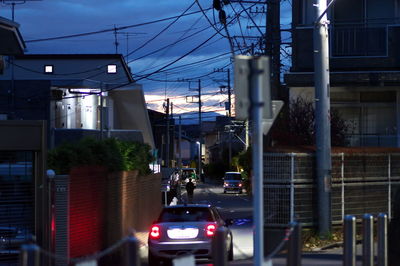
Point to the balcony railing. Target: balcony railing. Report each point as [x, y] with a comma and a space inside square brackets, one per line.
[358, 40]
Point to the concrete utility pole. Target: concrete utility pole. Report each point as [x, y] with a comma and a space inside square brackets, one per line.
[322, 115]
[200, 129]
[273, 44]
[173, 135]
[179, 144]
[167, 134]
[229, 94]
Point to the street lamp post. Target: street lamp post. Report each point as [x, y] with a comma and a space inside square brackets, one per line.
[199, 155]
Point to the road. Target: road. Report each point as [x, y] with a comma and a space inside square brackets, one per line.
[239, 208]
[231, 206]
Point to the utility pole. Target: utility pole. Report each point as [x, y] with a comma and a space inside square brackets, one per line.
[116, 39]
[228, 86]
[173, 136]
[229, 94]
[273, 44]
[200, 129]
[322, 111]
[179, 144]
[167, 134]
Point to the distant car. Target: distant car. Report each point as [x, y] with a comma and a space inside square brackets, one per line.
[186, 229]
[188, 173]
[233, 181]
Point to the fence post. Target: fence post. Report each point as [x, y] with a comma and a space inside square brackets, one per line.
[30, 255]
[390, 186]
[294, 256]
[132, 251]
[342, 176]
[368, 240]
[349, 248]
[382, 240]
[292, 155]
[219, 252]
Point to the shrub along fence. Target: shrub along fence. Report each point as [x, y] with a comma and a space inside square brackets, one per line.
[361, 183]
[94, 209]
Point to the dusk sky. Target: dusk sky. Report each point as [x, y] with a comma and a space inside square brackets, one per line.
[183, 46]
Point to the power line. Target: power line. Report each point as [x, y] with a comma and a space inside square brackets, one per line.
[110, 29]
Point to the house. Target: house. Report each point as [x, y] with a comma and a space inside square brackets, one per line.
[78, 94]
[364, 66]
[23, 183]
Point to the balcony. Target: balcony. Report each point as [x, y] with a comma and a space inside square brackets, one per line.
[353, 47]
[358, 40]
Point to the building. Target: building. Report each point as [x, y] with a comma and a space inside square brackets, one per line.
[364, 66]
[77, 94]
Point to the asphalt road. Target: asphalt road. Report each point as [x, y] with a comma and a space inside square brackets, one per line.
[239, 208]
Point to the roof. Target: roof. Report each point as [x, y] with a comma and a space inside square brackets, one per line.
[11, 39]
[116, 57]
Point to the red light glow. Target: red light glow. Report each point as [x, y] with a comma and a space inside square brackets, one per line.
[155, 232]
[210, 229]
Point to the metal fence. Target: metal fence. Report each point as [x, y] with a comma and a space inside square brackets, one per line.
[361, 183]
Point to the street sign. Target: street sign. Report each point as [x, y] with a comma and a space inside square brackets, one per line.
[267, 123]
[246, 68]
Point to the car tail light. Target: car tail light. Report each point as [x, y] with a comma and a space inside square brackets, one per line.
[155, 232]
[240, 184]
[225, 184]
[210, 229]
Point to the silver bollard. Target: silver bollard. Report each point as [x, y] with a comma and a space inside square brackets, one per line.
[349, 248]
[132, 252]
[30, 255]
[368, 240]
[219, 252]
[294, 246]
[382, 240]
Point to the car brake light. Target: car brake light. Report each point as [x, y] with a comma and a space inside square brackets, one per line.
[210, 229]
[240, 184]
[225, 184]
[155, 232]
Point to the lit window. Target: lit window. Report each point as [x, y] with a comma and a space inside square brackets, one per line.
[48, 69]
[112, 69]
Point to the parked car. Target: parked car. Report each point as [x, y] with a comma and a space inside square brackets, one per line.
[233, 181]
[11, 239]
[186, 229]
[189, 173]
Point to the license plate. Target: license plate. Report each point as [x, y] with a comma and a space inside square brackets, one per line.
[182, 233]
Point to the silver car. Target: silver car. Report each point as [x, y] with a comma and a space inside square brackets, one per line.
[186, 229]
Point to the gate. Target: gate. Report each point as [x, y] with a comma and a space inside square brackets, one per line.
[17, 197]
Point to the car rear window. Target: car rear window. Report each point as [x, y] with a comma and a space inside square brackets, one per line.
[187, 214]
[233, 176]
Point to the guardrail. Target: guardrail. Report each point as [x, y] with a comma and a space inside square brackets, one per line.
[31, 254]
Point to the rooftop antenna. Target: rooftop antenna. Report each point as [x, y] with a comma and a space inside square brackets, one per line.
[13, 3]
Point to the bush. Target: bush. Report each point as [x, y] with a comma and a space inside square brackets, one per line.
[115, 154]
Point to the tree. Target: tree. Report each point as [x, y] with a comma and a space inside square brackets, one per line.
[296, 125]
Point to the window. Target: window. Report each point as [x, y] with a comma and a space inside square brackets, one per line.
[186, 214]
[112, 69]
[48, 69]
